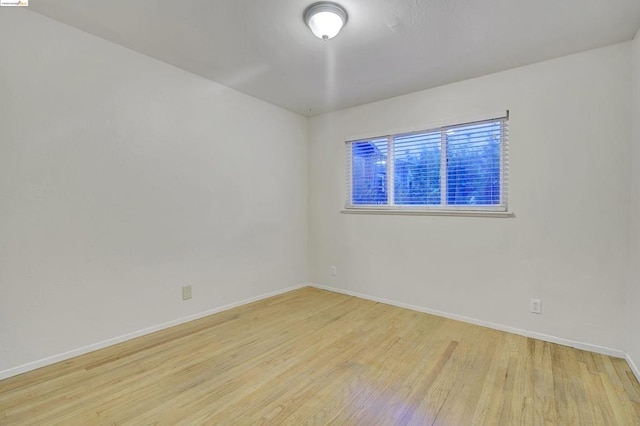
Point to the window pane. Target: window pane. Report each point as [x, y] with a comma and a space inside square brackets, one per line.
[473, 164]
[369, 172]
[417, 169]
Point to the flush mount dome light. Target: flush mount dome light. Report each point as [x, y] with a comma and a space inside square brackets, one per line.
[325, 19]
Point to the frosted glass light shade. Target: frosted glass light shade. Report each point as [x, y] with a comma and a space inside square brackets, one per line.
[325, 19]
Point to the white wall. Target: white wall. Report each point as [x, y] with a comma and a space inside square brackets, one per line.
[122, 179]
[569, 242]
[634, 289]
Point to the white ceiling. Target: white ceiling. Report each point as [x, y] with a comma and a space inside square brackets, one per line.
[388, 47]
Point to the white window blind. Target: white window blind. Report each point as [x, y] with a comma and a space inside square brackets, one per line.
[458, 167]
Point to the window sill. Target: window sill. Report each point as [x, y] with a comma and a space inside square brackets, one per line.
[416, 212]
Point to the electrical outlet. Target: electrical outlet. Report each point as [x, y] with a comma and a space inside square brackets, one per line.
[186, 292]
[333, 270]
[535, 306]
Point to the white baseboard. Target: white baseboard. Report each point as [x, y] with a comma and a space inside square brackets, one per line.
[535, 335]
[113, 341]
[633, 366]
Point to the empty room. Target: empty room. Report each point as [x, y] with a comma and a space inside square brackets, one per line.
[360, 212]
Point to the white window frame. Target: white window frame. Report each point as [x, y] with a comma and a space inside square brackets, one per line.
[499, 210]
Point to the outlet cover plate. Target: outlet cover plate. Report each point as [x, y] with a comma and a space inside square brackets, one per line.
[535, 306]
[186, 292]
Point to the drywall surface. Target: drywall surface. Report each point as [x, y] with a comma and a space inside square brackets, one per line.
[634, 282]
[568, 243]
[123, 179]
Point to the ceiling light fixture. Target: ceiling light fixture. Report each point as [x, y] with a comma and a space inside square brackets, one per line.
[325, 19]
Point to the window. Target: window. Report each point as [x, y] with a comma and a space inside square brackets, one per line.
[454, 168]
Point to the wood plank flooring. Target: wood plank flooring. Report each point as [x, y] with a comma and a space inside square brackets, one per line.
[316, 357]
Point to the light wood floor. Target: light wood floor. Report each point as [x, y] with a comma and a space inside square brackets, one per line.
[315, 357]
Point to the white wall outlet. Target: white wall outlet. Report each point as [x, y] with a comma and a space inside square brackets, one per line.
[186, 292]
[333, 270]
[535, 306]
